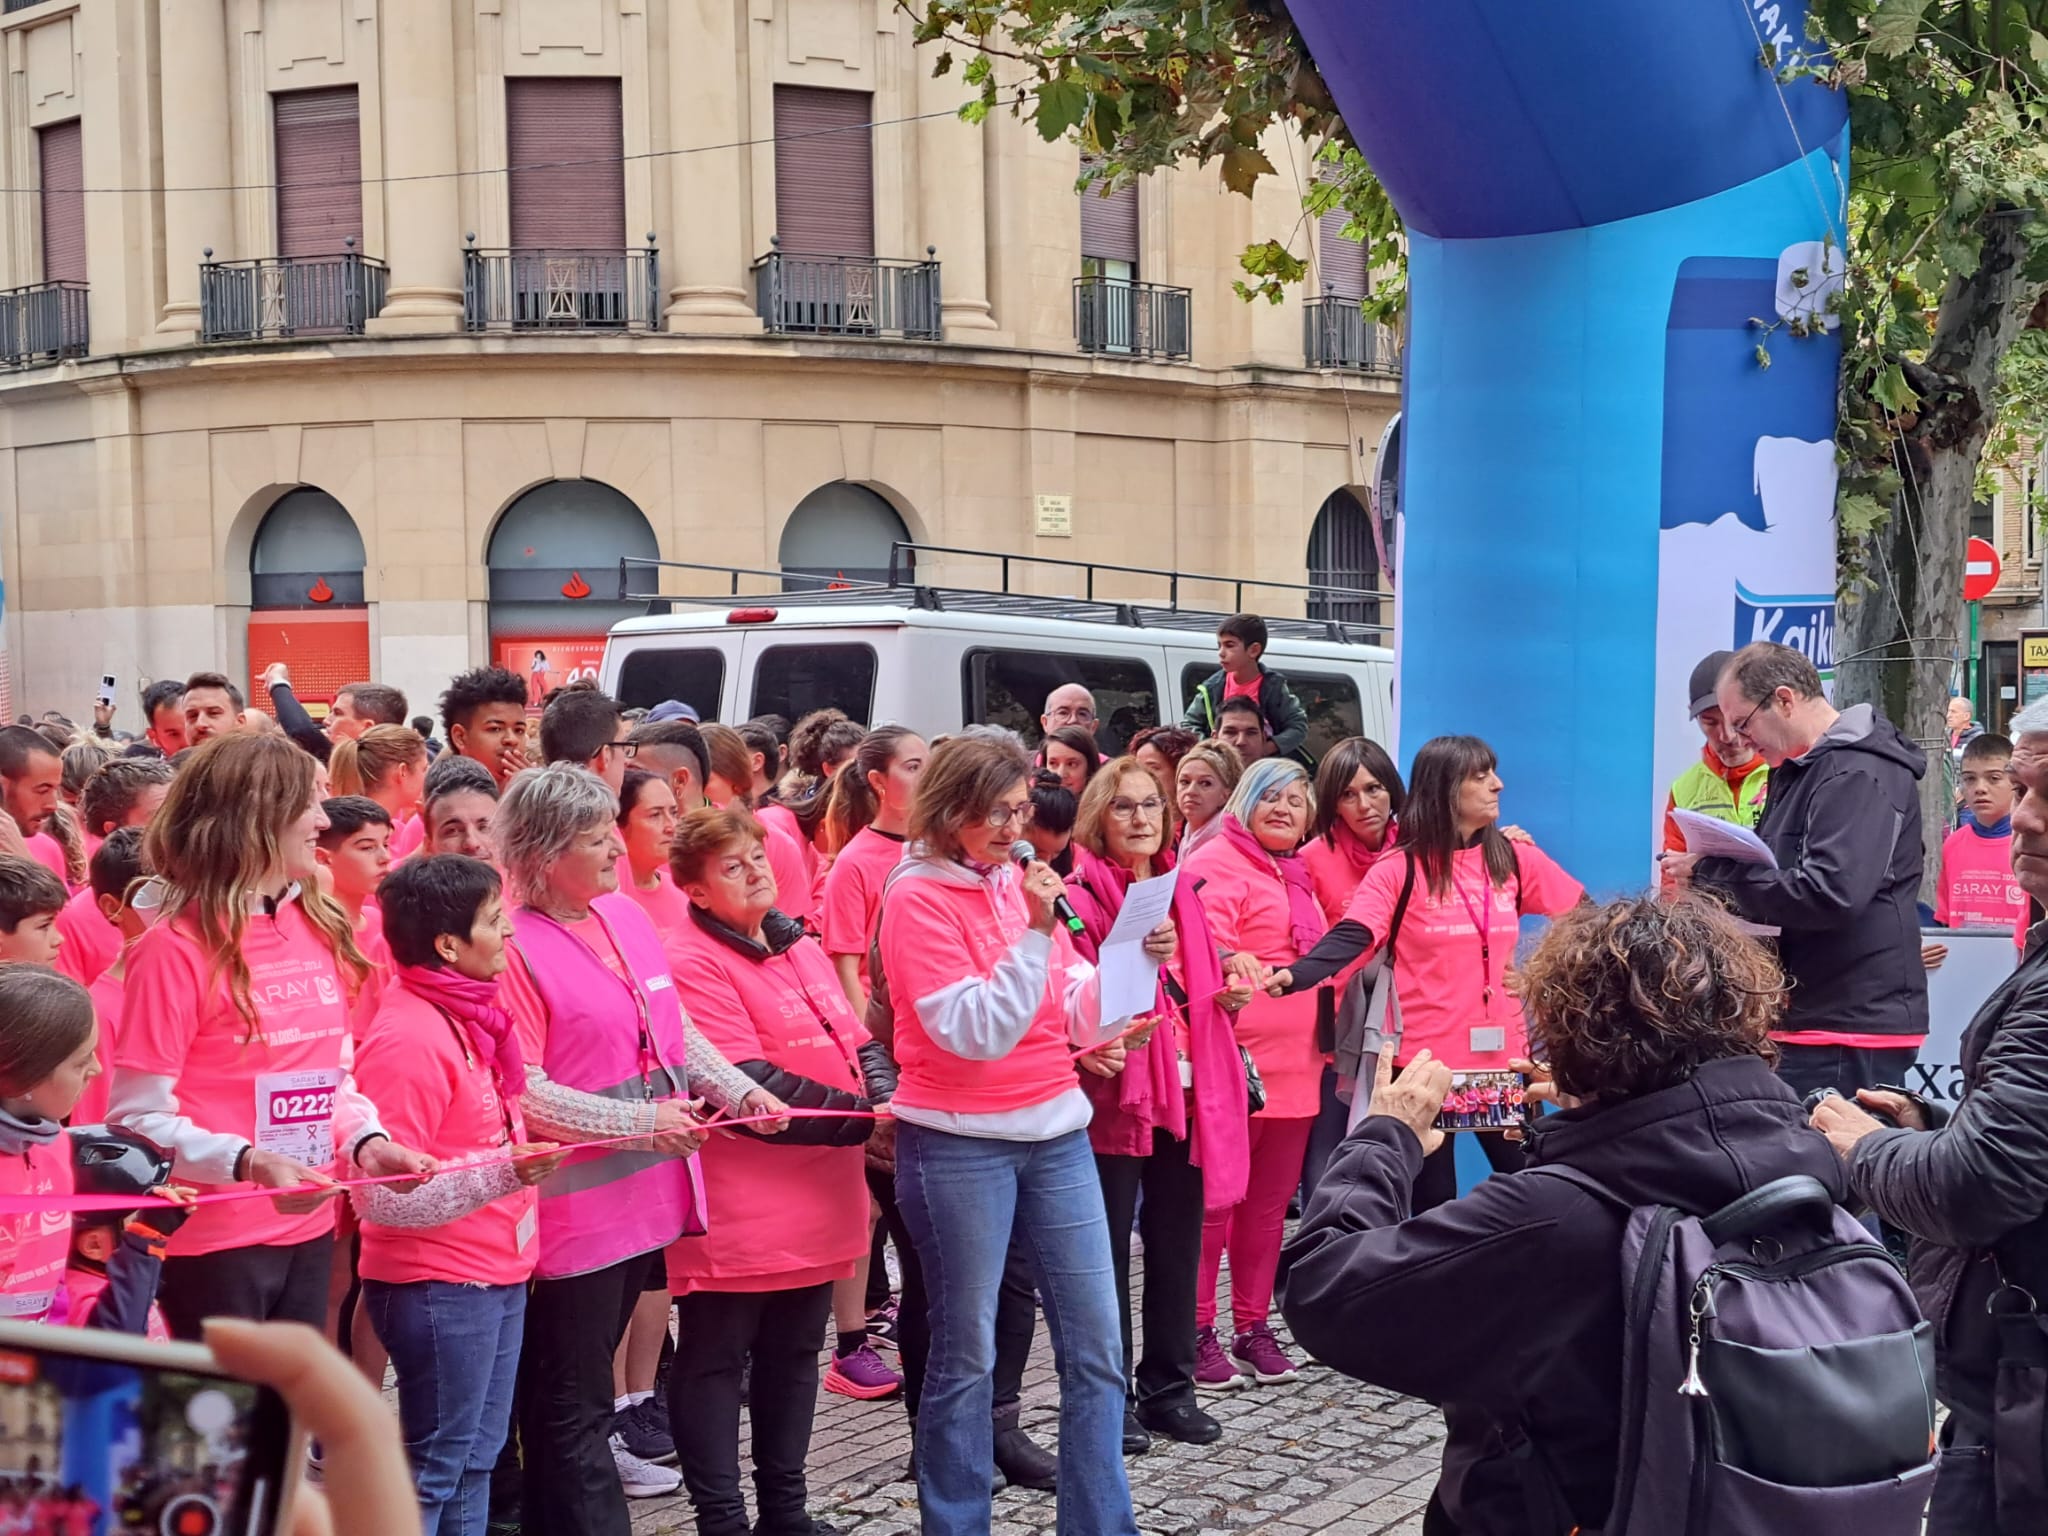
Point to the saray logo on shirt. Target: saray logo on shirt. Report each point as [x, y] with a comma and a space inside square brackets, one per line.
[1805, 623]
[317, 989]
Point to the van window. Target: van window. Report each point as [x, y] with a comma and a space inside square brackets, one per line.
[1330, 698]
[793, 680]
[1008, 688]
[695, 677]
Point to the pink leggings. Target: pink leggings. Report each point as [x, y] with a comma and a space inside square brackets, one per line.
[1252, 1228]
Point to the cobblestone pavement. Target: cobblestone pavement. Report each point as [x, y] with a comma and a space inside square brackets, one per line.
[1321, 1455]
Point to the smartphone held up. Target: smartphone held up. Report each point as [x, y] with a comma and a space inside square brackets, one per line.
[105, 1433]
[1485, 1099]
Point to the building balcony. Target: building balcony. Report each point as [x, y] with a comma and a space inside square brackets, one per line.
[280, 297]
[42, 323]
[848, 296]
[1336, 334]
[1128, 319]
[530, 289]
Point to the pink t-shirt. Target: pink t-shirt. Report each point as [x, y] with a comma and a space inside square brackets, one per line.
[274, 1087]
[1977, 885]
[377, 950]
[853, 893]
[1233, 689]
[666, 907]
[49, 853]
[1445, 990]
[91, 943]
[109, 995]
[793, 878]
[36, 1245]
[407, 837]
[434, 1094]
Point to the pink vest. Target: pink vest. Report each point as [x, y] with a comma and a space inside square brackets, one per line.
[788, 1216]
[36, 1245]
[936, 933]
[620, 1042]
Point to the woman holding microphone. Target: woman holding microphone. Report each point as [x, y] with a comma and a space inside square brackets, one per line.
[990, 1005]
[608, 1054]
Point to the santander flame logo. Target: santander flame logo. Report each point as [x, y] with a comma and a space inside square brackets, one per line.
[320, 592]
[575, 586]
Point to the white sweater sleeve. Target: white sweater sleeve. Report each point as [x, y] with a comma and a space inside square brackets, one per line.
[982, 1018]
[1085, 1024]
[355, 1117]
[448, 1196]
[148, 1103]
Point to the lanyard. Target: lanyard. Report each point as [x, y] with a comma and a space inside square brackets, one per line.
[1481, 921]
[796, 984]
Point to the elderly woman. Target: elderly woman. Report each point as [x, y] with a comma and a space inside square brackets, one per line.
[792, 1211]
[1172, 1124]
[1506, 1305]
[990, 1007]
[609, 1054]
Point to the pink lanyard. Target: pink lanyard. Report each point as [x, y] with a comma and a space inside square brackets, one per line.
[1481, 921]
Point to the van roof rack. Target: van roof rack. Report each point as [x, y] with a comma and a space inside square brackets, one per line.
[790, 588]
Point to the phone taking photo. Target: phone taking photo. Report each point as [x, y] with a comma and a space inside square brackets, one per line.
[115, 1434]
[1484, 1099]
[106, 693]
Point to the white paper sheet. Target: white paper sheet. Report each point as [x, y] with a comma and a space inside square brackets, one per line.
[1712, 839]
[1130, 977]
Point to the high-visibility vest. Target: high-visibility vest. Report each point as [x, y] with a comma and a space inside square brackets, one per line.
[1701, 789]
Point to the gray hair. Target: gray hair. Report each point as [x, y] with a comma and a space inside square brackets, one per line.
[542, 813]
[1262, 779]
[2031, 721]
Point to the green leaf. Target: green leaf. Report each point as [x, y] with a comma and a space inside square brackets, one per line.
[1062, 103]
[2037, 46]
[1763, 357]
[1859, 512]
[1890, 389]
[1895, 26]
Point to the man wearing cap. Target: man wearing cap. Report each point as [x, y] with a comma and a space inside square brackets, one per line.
[1728, 781]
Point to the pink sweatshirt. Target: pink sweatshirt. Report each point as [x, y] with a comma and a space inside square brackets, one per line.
[36, 1245]
[1977, 885]
[783, 1216]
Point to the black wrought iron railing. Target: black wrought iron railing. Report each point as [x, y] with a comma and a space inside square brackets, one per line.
[848, 295]
[286, 296]
[18, 5]
[534, 289]
[1336, 334]
[42, 323]
[1130, 319]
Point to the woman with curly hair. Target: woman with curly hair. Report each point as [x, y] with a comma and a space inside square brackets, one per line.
[1652, 1023]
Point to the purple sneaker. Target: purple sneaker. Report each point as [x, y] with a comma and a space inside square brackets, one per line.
[862, 1374]
[1213, 1370]
[1258, 1354]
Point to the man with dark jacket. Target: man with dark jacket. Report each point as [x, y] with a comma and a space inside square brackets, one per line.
[1842, 820]
[1971, 1189]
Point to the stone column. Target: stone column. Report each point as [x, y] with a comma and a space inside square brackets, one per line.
[706, 194]
[951, 187]
[194, 52]
[422, 220]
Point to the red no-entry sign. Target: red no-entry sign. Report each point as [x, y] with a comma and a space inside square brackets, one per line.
[1980, 570]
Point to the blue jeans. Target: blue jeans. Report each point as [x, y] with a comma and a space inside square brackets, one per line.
[456, 1350]
[960, 1197]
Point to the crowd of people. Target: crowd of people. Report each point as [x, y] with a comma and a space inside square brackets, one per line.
[605, 1062]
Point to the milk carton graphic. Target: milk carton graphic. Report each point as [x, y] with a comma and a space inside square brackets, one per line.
[1746, 540]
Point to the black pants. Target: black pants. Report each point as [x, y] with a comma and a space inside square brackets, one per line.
[1170, 1221]
[783, 1331]
[1016, 1314]
[283, 1284]
[1332, 1116]
[573, 1328]
[1437, 1184]
[1844, 1068]
[878, 1263]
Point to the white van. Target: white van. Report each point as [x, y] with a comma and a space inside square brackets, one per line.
[935, 670]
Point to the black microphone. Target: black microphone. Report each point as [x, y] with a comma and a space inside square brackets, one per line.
[1024, 853]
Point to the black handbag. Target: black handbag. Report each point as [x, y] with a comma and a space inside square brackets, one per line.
[1254, 1085]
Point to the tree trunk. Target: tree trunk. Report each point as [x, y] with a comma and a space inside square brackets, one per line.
[1902, 634]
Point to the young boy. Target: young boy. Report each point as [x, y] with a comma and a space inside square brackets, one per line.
[117, 1256]
[1240, 642]
[30, 899]
[116, 865]
[1977, 885]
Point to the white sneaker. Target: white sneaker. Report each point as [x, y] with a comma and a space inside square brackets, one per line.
[643, 1479]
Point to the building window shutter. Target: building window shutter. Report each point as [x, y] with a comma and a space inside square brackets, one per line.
[565, 140]
[824, 172]
[1109, 225]
[62, 149]
[1342, 262]
[319, 171]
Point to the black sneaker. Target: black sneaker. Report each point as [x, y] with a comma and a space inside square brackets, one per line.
[1180, 1421]
[1136, 1441]
[642, 1437]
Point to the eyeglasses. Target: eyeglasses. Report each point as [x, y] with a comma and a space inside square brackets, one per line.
[1003, 816]
[630, 748]
[1742, 727]
[1126, 810]
[1069, 714]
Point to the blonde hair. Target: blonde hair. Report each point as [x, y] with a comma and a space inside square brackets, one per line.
[221, 833]
[358, 766]
[1094, 812]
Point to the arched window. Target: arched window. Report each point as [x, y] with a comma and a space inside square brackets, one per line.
[554, 565]
[306, 605]
[1341, 554]
[841, 532]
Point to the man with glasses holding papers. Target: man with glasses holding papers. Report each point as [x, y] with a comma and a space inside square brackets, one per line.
[1842, 828]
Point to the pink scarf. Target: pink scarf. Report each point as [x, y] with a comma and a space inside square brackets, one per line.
[1304, 917]
[474, 1006]
[1353, 847]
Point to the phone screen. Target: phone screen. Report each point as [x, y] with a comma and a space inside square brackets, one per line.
[1484, 1101]
[98, 1447]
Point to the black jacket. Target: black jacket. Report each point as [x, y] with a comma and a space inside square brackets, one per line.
[1844, 825]
[1978, 1183]
[1506, 1304]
